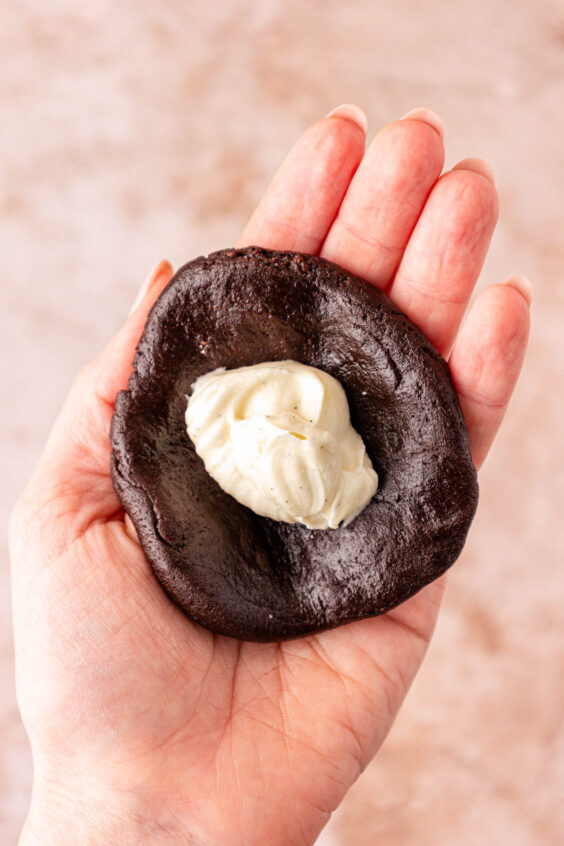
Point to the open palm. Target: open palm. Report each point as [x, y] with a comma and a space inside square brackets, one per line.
[134, 710]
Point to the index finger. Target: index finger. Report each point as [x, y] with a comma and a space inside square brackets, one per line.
[303, 198]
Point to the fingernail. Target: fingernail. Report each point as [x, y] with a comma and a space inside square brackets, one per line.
[523, 285]
[159, 269]
[478, 166]
[427, 116]
[348, 111]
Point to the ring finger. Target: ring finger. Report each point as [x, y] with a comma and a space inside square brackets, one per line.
[446, 251]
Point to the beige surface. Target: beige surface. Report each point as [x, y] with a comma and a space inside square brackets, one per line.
[138, 130]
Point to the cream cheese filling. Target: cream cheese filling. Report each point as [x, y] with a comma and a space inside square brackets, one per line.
[278, 438]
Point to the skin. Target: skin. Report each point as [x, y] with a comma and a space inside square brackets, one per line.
[146, 728]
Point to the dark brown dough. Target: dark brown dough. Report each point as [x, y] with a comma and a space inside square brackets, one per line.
[248, 576]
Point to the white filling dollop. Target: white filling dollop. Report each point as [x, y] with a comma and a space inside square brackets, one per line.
[278, 437]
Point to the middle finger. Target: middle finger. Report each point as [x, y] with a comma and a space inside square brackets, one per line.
[386, 196]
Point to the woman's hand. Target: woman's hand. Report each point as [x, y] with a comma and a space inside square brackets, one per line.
[146, 728]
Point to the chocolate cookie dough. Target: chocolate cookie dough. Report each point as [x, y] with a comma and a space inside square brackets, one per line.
[252, 577]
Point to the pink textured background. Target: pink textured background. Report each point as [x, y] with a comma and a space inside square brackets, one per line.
[133, 131]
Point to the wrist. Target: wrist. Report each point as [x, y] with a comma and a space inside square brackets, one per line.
[87, 815]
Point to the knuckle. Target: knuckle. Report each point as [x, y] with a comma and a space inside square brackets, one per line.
[470, 189]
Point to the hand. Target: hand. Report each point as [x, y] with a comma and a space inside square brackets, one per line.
[147, 728]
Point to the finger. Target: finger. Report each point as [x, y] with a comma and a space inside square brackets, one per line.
[445, 254]
[71, 487]
[112, 366]
[302, 200]
[86, 413]
[487, 358]
[386, 196]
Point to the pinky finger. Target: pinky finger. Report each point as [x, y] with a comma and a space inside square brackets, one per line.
[487, 357]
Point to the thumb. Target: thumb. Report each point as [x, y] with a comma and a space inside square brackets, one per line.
[84, 421]
[71, 488]
[71, 485]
